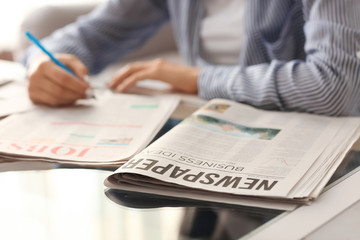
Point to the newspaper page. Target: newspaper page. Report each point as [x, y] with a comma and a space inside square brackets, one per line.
[232, 148]
[104, 131]
[13, 89]
[14, 98]
[11, 71]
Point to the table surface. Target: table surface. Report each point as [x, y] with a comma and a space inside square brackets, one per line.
[45, 201]
[52, 202]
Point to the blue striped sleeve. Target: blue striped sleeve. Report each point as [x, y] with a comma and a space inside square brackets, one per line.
[326, 81]
[112, 30]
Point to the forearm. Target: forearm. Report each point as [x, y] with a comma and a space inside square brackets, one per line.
[325, 82]
[291, 86]
[107, 34]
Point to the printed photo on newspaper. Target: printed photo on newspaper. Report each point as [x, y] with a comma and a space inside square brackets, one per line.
[233, 153]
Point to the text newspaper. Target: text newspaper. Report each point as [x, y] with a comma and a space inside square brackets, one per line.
[102, 132]
[233, 153]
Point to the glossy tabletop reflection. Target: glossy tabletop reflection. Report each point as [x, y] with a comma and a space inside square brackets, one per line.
[73, 203]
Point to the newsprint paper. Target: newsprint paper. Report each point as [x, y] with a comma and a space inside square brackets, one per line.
[102, 132]
[233, 153]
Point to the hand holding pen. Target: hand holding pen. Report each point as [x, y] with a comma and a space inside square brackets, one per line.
[56, 80]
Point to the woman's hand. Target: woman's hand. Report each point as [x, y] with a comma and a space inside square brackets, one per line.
[181, 77]
[51, 85]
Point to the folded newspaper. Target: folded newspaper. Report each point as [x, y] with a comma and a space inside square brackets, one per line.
[232, 153]
[102, 132]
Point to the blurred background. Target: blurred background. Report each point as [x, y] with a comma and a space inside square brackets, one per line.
[13, 14]
[41, 17]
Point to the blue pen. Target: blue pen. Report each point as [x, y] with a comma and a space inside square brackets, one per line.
[89, 92]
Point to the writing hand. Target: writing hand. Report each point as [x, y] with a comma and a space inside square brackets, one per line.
[51, 85]
[181, 77]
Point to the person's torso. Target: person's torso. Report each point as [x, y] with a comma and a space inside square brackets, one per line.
[273, 30]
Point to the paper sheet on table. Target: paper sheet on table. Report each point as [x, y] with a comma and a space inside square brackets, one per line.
[14, 98]
[11, 71]
[105, 131]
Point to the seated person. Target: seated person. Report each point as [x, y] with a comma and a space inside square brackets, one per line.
[290, 55]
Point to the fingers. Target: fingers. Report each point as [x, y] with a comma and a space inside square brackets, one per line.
[64, 79]
[126, 72]
[43, 97]
[181, 77]
[51, 85]
[133, 79]
[74, 63]
[134, 72]
[50, 93]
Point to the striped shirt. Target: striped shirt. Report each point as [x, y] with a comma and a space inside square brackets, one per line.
[297, 55]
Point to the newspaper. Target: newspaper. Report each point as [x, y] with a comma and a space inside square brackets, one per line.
[11, 71]
[13, 89]
[102, 132]
[14, 98]
[233, 153]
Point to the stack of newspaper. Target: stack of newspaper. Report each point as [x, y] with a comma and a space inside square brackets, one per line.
[232, 153]
[102, 132]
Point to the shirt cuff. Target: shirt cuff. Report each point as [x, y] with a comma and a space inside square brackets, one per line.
[215, 81]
